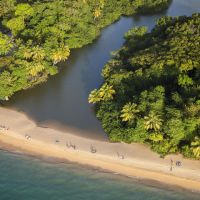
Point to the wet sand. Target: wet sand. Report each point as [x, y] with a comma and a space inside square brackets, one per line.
[132, 160]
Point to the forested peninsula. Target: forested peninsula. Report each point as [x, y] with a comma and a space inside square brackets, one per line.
[151, 89]
[36, 35]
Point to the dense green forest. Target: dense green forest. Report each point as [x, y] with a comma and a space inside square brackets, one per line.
[151, 92]
[36, 35]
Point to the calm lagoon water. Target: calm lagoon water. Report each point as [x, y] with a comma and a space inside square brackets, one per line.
[23, 178]
[64, 99]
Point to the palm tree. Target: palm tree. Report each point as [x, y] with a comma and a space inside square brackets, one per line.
[129, 112]
[97, 13]
[195, 146]
[106, 92]
[27, 54]
[38, 53]
[153, 122]
[60, 54]
[35, 68]
[94, 97]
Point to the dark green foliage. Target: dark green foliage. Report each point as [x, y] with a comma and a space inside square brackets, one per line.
[36, 35]
[156, 77]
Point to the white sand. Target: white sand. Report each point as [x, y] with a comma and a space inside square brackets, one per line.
[139, 161]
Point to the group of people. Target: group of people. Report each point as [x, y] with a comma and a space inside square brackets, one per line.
[4, 128]
[94, 150]
[70, 145]
[178, 164]
[73, 146]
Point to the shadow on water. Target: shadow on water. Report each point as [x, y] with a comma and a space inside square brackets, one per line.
[63, 99]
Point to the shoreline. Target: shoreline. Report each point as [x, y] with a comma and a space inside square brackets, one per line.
[137, 180]
[131, 160]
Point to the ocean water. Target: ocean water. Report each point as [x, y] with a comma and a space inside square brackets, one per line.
[25, 178]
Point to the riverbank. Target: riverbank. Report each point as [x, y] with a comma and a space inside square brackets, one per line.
[132, 160]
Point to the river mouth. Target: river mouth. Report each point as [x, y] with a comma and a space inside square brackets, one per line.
[62, 102]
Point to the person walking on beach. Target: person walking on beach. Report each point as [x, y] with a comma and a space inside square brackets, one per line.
[93, 149]
[178, 163]
[120, 156]
[171, 166]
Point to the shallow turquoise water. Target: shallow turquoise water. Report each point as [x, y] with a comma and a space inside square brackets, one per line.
[23, 178]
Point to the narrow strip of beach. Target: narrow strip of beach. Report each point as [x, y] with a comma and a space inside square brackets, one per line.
[18, 132]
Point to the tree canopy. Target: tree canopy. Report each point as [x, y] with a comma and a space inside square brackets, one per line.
[36, 35]
[155, 78]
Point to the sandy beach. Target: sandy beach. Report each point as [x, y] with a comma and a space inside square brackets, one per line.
[133, 160]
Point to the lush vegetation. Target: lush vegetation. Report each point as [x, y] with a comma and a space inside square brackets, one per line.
[151, 92]
[36, 35]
